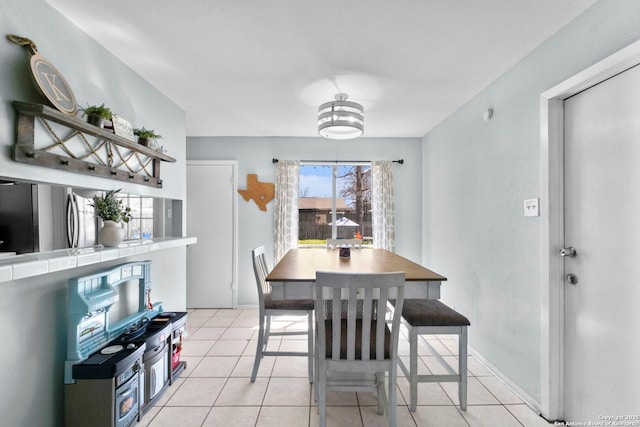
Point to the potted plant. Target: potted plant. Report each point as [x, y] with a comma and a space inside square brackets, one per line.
[112, 212]
[97, 114]
[145, 135]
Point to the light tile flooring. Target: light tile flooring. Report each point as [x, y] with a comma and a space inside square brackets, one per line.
[215, 389]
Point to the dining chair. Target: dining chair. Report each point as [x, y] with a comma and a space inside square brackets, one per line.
[337, 243]
[269, 307]
[432, 317]
[354, 353]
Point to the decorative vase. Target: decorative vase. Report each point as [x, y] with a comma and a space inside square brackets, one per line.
[110, 234]
[144, 141]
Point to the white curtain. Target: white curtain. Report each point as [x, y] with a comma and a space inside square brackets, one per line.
[383, 203]
[286, 208]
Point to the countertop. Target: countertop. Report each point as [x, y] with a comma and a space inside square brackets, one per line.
[35, 264]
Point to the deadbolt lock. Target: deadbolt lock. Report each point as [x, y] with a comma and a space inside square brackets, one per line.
[572, 279]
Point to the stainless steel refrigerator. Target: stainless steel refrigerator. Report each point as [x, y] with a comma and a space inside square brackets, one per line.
[74, 224]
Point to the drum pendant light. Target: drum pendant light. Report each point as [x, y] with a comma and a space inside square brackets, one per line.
[340, 119]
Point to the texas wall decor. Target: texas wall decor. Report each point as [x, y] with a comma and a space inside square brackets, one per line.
[48, 79]
[261, 192]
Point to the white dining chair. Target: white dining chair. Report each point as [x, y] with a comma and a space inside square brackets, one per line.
[341, 243]
[354, 353]
[269, 307]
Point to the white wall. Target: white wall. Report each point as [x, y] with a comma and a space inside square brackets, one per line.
[476, 177]
[33, 311]
[254, 155]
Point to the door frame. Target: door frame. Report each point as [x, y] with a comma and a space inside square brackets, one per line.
[552, 220]
[234, 249]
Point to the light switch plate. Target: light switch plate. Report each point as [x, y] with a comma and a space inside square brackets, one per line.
[531, 207]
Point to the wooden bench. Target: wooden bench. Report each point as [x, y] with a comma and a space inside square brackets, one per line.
[432, 317]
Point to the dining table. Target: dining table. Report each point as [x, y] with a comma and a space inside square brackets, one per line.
[293, 277]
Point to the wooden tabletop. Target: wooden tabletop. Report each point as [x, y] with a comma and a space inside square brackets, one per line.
[300, 265]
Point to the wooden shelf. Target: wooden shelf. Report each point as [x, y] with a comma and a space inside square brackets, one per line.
[105, 154]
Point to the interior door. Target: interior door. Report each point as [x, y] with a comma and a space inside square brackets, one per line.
[602, 222]
[211, 217]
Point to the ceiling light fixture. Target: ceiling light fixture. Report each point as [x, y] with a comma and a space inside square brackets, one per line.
[341, 119]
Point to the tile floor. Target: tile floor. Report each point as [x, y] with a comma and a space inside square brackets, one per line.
[215, 389]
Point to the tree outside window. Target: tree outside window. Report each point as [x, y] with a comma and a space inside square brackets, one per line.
[347, 187]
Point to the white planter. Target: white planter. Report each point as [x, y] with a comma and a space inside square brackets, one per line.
[111, 233]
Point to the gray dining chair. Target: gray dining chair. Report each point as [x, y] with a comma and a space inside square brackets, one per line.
[350, 243]
[354, 353]
[269, 307]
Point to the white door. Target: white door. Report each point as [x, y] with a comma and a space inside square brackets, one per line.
[211, 217]
[602, 222]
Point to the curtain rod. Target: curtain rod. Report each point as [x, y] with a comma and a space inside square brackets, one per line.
[400, 162]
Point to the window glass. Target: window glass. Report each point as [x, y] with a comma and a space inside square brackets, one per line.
[323, 187]
[141, 226]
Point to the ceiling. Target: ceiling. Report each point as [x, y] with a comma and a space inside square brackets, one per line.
[262, 67]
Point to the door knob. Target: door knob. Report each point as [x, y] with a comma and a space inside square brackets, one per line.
[570, 252]
[572, 279]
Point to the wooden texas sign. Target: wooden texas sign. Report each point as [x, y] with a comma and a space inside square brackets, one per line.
[261, 192]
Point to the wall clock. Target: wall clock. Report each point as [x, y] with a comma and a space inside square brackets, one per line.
[48, 79]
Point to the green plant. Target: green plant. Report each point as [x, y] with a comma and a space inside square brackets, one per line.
[146, 133]
[110, 208]
[97, 110]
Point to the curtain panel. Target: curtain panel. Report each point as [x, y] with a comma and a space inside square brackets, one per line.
[383, 204]
[286, 208]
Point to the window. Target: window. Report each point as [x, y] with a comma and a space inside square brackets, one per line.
[334, 202]
[141, 225]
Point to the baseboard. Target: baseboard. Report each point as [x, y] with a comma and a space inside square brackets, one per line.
[526, 398]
